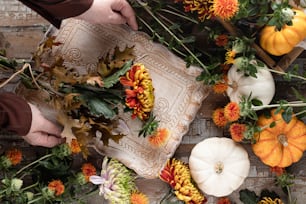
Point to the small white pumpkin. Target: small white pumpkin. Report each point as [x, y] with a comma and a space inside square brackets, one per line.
[262, 87]
[219, 165]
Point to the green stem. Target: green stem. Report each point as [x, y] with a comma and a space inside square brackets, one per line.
[30, 186]
[145, 6]
[32, 163]
[35, 200]
[159, 37]
[284, 73]
[256, 108]
[179, 15]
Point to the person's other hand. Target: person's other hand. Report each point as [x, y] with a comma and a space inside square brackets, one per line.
[110, 11]
[42, 132]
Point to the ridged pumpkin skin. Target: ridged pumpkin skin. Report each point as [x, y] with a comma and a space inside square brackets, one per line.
[282, 144]
[282, 42]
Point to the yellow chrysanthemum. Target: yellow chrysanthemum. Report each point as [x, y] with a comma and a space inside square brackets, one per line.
[230, 56]
[177, 175]
[225, 9]
[202, 7]
[268, 200]
[140, 97]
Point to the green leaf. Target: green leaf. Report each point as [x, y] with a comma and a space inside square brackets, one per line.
[98, 108]
[248, 197]
[287, 114]
[114, 78]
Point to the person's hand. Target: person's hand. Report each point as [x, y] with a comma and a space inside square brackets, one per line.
[110, 11]
[42, 132]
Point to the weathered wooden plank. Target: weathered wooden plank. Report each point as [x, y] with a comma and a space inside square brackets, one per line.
[14, 14]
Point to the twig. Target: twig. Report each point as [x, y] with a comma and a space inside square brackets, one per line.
[25, 66]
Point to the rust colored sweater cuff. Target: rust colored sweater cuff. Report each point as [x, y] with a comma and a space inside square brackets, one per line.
[15, 114]
[56, 10]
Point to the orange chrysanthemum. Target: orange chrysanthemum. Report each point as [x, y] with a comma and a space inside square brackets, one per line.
[219, 118]
[237, 131]
[221, 40]
[14, 155]
[225, 9]
[88, 170]
[140, 96]
[177, 174]
[232, 111]
[75, 147]
[221, 86]
[159, 138]
[139, 198]
[277, 170]
[57, 187]
[202, 7]
[224, 200]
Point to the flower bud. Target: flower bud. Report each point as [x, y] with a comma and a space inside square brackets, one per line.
[288, 14]
[16, 184]
[29, 195]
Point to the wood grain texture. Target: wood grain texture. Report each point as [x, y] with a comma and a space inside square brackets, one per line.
[20, 31]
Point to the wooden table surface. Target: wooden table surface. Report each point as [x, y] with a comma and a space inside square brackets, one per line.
[20, 31]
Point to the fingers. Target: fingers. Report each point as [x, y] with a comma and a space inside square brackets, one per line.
[43, 139]
[51, 128]
[127, 13]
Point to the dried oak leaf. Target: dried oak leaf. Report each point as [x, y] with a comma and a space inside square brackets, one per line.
[106, 132]
[113, 61]
[62, 75]
[68, 124]
[72, 101]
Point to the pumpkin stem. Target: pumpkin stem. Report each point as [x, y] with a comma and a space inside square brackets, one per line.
[219, 167]
[234, 85]
[283, 140]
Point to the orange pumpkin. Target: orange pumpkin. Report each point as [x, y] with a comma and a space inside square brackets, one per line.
[282, 144]
[283, 41]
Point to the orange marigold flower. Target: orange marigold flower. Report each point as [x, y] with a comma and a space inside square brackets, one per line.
[14, 155]
[74, 146]
[57, 187]
[88, 170]
[225, 9]
[219, 118]
[221, 40]
[237, 131]
[159, 138]
[140, 96]
[221, 86]
[139, 198]
[232, 111]
[224, 200]
[277, 170]
[177, 174]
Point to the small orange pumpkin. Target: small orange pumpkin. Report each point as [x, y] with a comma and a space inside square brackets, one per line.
[282, 144]
[283, 41]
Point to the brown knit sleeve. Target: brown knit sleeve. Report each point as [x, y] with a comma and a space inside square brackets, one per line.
[56, 10]
[15, 114]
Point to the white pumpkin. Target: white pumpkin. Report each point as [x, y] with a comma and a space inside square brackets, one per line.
[262, 87]
[219, 165]
[301, 4]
